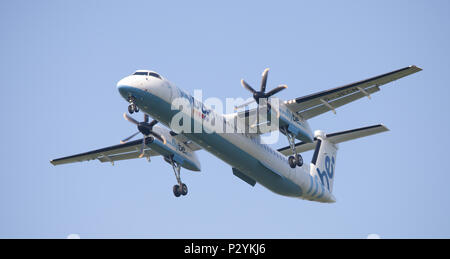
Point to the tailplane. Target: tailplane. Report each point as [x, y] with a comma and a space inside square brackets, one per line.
[324, 158]
[325, 150]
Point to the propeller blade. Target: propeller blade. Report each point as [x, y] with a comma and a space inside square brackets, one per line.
[264, 80]
[275, 90]
[128, 118]
[158, 136]
[153, 123]
[163, 139]
[247, 86]
[146, 117]
[142, 147]
[130, 137]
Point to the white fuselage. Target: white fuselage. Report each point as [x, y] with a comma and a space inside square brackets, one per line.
[244, 152]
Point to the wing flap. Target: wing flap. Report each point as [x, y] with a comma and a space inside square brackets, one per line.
[126, 156]
[319, 109]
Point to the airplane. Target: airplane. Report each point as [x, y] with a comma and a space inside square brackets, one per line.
[281, 170]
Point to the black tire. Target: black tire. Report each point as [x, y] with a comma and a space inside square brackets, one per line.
[292, 162]
[176, 190]
[136, 109]
[130, 109]
[299, 160]
[184, 189]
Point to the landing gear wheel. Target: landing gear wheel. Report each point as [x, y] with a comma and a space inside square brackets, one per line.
[292, 162]
[299, 160]
[184, 189]
[136, 109]
[130, 109]
[176, 190]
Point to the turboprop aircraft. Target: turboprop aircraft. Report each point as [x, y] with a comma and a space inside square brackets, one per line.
[280, 170]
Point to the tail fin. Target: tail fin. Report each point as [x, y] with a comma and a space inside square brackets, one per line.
[324, 160]
[325, 145]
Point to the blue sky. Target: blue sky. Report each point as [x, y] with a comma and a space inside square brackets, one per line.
[60, 61]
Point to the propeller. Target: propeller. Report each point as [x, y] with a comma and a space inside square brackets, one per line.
[262, 93]
[145, 128]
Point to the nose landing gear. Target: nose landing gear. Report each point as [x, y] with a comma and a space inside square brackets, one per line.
[180, 188]
[132, 107]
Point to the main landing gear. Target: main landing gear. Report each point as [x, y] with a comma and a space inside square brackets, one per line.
[295, 159]
[132, 107]
[180, 188]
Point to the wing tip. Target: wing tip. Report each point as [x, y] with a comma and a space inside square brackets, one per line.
[416, 68]
[384, 127]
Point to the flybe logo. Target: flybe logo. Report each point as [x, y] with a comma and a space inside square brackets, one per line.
[328, 174]
[197, 107]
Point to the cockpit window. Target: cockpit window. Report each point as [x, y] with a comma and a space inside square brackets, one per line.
[154, 75]
[141, 73]
[147, 74]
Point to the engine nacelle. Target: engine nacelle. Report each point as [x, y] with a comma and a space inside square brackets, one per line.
[294, 124]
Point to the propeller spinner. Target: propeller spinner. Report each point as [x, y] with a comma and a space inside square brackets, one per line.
[145, 128]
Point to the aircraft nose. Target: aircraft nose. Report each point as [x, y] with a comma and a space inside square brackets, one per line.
[125, 86]
[123, 89]
[123, 82]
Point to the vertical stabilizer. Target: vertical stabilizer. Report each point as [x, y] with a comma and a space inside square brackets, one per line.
[324, 160]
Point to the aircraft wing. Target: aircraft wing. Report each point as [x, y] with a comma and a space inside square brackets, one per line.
[249, 119]
[315, 104]
[129, 150]
[336, 138]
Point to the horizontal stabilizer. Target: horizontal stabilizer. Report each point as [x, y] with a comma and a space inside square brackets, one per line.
[337, 137]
